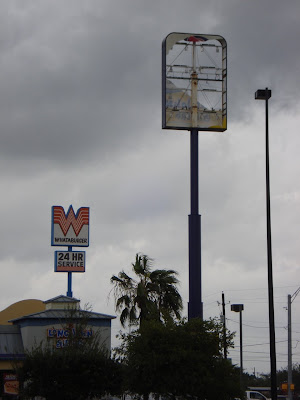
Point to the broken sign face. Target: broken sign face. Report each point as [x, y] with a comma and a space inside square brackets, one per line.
[194, 82]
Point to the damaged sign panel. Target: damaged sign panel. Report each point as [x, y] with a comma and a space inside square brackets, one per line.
[194, 82]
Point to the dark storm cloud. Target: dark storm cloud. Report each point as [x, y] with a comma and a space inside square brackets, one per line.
[84, 80]
[262, 39]
[67, 89]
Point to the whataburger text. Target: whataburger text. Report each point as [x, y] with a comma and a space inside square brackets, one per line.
[70, 240]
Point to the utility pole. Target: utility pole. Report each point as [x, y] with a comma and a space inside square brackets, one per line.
[290, 379]
[224, 325]
[289, 347]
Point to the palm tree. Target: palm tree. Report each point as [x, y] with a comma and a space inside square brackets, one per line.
[153, 295]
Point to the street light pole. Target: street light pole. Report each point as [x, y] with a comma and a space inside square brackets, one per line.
[265, 94]
[239, 308]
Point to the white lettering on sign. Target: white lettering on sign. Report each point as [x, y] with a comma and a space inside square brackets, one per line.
[61, 335]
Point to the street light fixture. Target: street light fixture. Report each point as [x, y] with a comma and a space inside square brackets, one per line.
[239, 308]
[265, 94]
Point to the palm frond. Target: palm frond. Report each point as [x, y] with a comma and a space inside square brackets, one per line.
[142, 265]
[123, 300]
[124, 316]
[133, 319]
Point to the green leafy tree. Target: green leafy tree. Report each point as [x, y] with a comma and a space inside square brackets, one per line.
[152, 295]
[81, 368]
[67, 375]
[179, 360]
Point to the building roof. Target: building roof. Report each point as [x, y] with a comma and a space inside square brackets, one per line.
[61, 303]
[62, 314]
[59, 308]
[11, 345]
[62, 299]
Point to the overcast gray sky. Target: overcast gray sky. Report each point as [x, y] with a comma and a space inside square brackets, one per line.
[80, 122]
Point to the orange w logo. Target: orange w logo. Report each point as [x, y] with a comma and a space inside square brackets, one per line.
[66, 220]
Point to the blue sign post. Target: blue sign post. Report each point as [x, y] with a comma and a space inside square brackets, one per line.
[69, 292]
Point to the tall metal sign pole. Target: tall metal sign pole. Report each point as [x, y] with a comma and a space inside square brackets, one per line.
[194, 98]
[70, 229]
[195, 306]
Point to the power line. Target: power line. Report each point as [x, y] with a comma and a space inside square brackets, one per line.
[252, 326]
[250, 289]
[263, 344]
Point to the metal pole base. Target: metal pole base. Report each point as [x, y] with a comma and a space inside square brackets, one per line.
[195, 305]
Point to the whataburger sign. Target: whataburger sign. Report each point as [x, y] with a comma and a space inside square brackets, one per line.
[70, 229]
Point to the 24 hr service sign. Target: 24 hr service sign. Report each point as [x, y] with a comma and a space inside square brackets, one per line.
[70, 229]
[69, 261]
